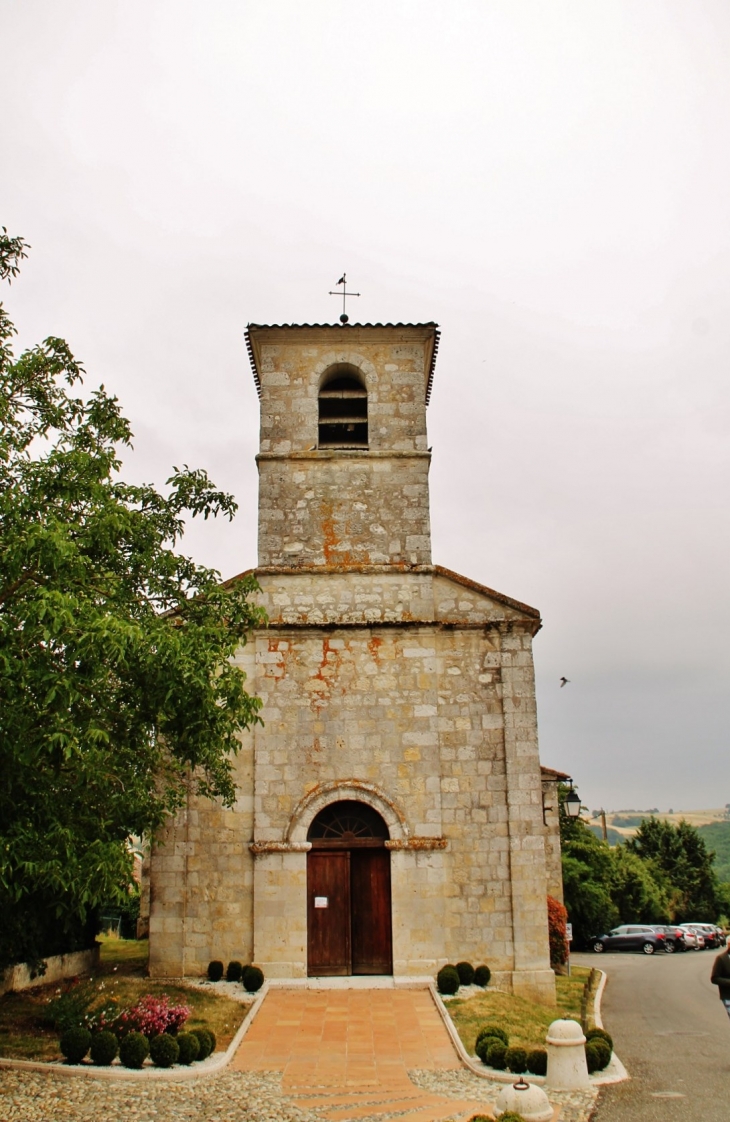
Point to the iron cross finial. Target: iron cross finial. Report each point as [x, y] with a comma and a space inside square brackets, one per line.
[343, 281]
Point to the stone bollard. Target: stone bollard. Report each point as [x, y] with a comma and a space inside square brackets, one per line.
[567, 1069]
[525, 1099]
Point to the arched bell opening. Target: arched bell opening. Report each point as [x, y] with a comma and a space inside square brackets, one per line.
[349, 924]
[343, 409]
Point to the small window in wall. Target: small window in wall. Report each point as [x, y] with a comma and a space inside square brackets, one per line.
[343, 411]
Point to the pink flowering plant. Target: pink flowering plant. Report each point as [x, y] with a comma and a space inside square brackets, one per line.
[151, 1016]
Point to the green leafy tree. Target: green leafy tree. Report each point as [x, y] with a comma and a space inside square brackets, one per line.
[587, 879]
[682, 862]
[117, 690]
[637, 895]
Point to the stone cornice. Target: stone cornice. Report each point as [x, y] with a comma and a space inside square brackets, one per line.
[260, 847]
[419, 844]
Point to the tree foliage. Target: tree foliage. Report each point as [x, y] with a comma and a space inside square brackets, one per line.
[664, 873]
[682, 862]
[117, 690]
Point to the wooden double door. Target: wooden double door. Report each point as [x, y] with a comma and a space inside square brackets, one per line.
[349, 929]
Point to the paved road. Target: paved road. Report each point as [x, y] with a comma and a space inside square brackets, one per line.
[673, 1035]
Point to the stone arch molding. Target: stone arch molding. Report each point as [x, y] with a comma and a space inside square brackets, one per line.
[347, 358]
[309, 807]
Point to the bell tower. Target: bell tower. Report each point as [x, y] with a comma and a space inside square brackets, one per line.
[343, 458]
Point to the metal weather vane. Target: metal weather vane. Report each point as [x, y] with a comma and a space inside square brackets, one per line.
[343, 281]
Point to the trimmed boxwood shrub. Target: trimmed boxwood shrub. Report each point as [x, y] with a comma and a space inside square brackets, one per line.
[600, 1034]
[164, 1050]
[188, 1047]
[104, 1047]
[447, 980]
[483, 1045]
[482, 974]
[215, 970]
[234, 973]
[598, 1055]
[537, 1061]
[496, 1054]
[494, 1030]
[516, 1060]
[205, 1040]
[253, 979]
[510, 1116]
[134, 1048]
[74, 1044]
[466, 972]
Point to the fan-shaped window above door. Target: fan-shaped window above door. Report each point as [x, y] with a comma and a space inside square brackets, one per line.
[348, 823]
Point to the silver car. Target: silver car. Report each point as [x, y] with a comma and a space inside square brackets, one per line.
[693, 937]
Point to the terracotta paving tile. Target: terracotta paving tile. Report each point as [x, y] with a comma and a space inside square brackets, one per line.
[346, 1053]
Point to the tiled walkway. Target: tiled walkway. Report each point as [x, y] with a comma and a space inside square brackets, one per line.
[347, 1053]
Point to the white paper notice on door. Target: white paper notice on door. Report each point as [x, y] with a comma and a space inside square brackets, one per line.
[320, 901]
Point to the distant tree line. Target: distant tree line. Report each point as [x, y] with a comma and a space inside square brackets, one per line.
[664, 874]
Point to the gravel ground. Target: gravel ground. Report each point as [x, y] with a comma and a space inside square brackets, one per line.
[230, 1097]
[577, 1106]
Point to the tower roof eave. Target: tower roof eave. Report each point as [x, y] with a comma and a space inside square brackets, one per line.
[253, 328]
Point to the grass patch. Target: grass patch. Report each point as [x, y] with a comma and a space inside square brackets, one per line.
[526, 1022]
[122, 976]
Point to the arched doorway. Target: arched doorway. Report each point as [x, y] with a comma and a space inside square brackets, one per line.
[349, 928]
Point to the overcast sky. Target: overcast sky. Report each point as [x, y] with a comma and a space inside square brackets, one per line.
[549, 181]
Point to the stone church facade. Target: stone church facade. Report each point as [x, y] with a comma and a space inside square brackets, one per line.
[390, 811]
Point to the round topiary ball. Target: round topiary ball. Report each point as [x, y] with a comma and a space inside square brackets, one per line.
[164, 1050]
[537, 1061]
[134, 1048]
[494, 1030]
[234, 971]
[253, 979]
[104, 1047]
[496, 1054]
[482, 974]
[510, 1116]
[74, 1044]
[516, 1060]
[483, 1045]
[215, 970]
[213, 1039]
[205, 1041]
[188, 1047]
[447, 980]
[600, 1034]
[598, 1055]
[466, 972]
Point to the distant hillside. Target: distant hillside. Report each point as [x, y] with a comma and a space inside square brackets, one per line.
[626, 822]
[613, 837]
[717, 836]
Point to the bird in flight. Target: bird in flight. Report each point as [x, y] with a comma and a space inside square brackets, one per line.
[564, 681]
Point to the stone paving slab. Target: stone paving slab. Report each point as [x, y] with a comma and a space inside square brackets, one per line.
[360, 1043]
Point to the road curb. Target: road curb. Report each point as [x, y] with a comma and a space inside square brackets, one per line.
[615, 1072]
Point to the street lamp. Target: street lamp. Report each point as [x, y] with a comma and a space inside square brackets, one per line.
[571, 803]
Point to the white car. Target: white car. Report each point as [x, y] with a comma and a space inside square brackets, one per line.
[693, 937]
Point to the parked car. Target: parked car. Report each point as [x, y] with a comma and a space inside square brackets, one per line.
[675, 939]
[631, 937]
[708, 932]
[693, 940]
